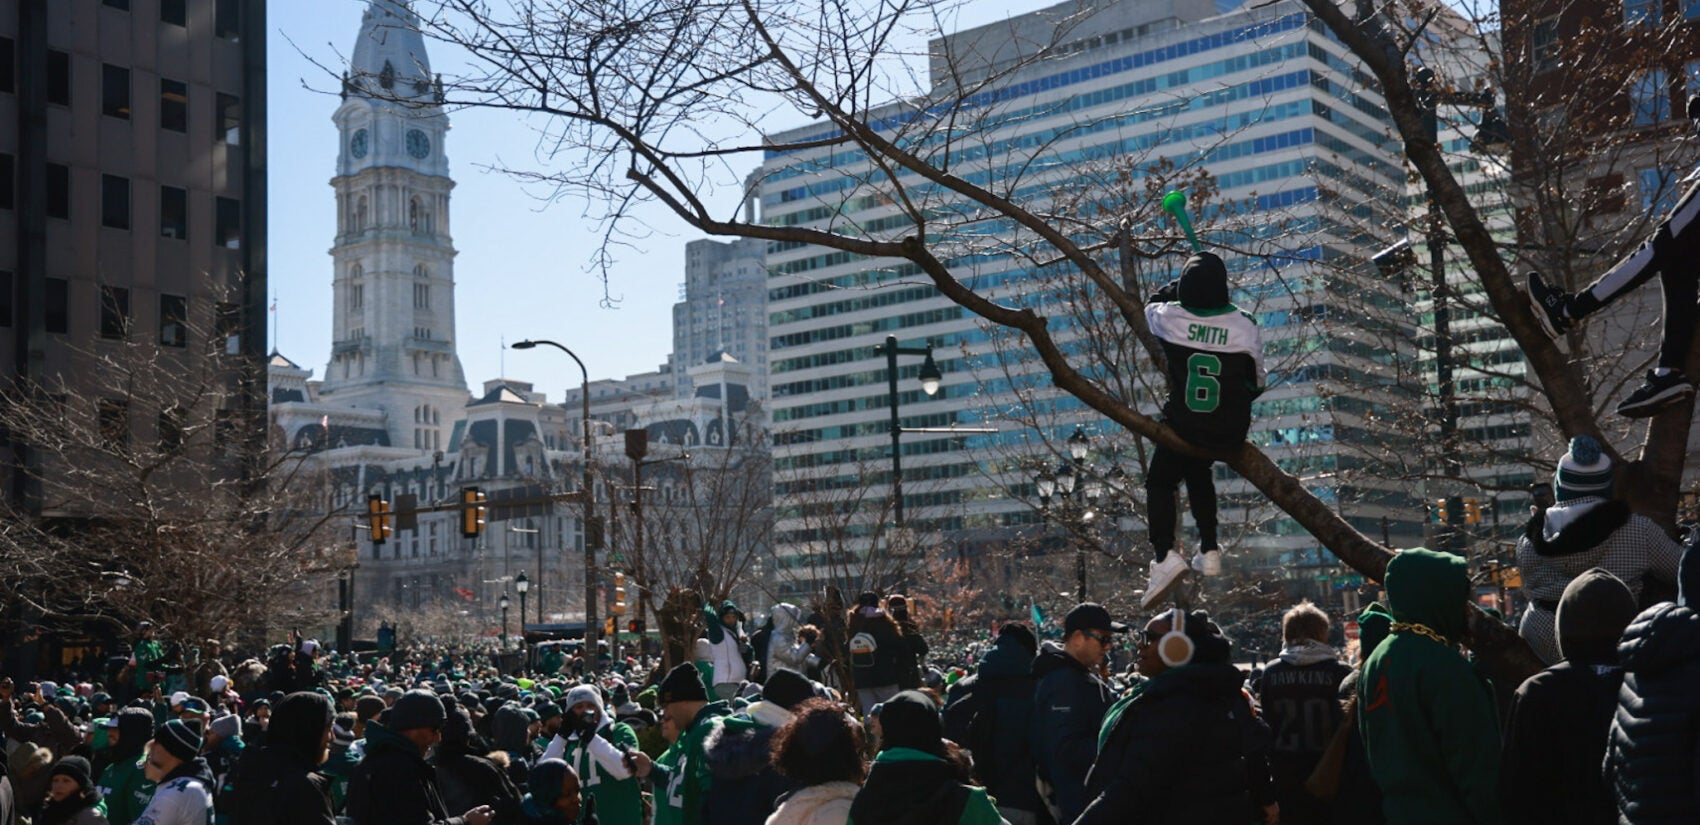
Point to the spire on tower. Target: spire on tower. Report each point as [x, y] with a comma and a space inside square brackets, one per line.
[389, 60]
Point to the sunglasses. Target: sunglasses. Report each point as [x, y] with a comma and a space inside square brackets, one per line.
[1102, 638]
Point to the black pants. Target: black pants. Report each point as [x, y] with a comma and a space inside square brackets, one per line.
[1168, 470]
[1673, 253]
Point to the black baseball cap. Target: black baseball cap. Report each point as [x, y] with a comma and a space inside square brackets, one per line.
[1091, 616]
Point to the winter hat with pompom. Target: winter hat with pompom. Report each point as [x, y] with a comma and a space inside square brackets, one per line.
[1584, 471]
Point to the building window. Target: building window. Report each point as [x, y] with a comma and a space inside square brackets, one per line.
[227, 325]
[421, 296]
[229, 227]
[228, 119]
[114, 201]
[174, 213]
[58, 77]
[114, 91]
[5, 298]
[114, 311]
[419, 271]
[1546, 44]
[175, 12]
[1641, 13]
[114, 421]
[173, 321]
[227, 18]
[356, 297]
[173, 105]
[8, 181]
[1650, 97]
[8, 65]
[56, 314]
[58, 191]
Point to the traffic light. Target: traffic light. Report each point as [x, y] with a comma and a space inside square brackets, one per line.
[1472, 511]
[632, 626]
[609, 628]
[378, 518]
[619, 593]
[472, 511]
[1440, 511]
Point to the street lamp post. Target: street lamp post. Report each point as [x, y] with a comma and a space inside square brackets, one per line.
[1073, 475]
[929, 377]
[521, 586]
[584, 489]
[503, 603]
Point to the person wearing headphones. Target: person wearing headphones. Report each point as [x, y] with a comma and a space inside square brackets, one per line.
[1185, 744]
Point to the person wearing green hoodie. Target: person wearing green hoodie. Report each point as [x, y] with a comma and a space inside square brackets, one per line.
[1428, 720]
[911, 779]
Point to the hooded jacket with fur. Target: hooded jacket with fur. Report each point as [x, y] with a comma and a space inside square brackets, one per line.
[1568, 538]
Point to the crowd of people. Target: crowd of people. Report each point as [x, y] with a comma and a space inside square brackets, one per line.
[763, 726]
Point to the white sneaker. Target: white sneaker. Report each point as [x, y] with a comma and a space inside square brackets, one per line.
[1208, 562]
[1164, 576]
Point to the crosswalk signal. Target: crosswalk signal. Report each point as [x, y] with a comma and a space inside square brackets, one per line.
[634, 626]
[378, 518]
[619, 593]
[472, 512]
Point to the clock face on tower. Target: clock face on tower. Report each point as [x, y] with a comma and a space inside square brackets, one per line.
[359, 144]
[418, 145]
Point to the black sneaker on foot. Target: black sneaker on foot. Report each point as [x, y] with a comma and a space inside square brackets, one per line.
[1657, 393]
[1548, 304]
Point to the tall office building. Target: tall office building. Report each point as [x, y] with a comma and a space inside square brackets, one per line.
[723, 309]
[1298, 144]
[132, 181]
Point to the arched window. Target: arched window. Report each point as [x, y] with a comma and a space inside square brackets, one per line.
[420, 271]
[360, 215]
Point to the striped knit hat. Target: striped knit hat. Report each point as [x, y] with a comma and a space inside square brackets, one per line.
[1584, 471]
[180, 739]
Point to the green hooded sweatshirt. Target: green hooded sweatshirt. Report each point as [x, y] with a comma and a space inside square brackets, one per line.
[1428, 722]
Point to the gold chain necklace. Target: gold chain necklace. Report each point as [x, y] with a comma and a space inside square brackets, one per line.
[1420, 630]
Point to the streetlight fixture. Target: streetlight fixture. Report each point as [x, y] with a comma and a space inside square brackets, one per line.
[584, 489]
[930, 377]
[503, 604]
[522, 585]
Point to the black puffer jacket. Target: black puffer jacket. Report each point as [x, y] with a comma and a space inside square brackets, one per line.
[1186, 750]
[992, 717]
[1653, 758]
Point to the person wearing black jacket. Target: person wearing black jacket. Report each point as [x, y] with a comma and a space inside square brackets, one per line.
[1555, 734]
[465, 778]
[874, 644]
[1068, 707]
[992, 715]
[1215, 369]
[912, 654]
[280, 784]
[393, 784]
[1653, 755]
[1184, 747]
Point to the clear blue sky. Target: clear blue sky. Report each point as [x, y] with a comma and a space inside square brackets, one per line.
[521, 271]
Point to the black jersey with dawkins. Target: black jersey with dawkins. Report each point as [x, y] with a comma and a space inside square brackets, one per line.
[1215, 370]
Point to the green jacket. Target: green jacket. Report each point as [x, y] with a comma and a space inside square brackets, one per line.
[126, 790]
[1427, 720]
[681, 775]
[149, 654]
[618, 801]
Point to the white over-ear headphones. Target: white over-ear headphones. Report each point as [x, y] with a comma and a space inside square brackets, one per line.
[1175, 648]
